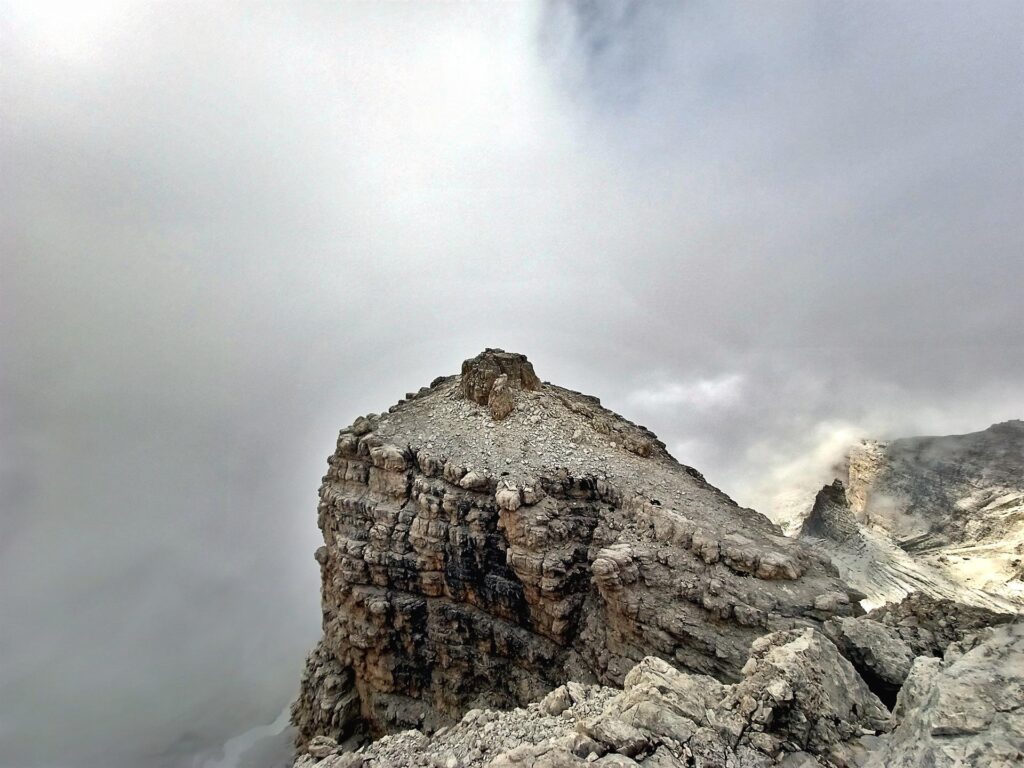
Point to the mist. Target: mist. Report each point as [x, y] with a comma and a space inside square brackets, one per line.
[762, 231]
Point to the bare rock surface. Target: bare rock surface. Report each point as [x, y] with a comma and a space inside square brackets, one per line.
[883, 644]
[964, 710]
[929, 625]
[877, 652]
[799, 702]
[870, 560]
[492, 537]
[514, 576]
[942, 515]
[932, 492]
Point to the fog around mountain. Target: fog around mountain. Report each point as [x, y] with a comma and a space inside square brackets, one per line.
[761, 231]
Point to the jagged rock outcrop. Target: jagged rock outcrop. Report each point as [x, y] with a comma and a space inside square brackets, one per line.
[876, 651]
[799, 704]
[883, 644]
[492, 377]
[942, 515]
[966, 709]
[831, 517]
[798, 699]
[870, 561]
[929, 625]
[490, 538]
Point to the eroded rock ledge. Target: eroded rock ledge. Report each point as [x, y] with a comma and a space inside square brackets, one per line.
[797, 695]
[799, 704]
[481, 549]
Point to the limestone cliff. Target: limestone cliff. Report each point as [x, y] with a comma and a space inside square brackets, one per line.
[953, 502]
[939, 515]
[492, 537]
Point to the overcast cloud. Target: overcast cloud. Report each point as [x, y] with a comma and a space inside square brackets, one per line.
[760, 229]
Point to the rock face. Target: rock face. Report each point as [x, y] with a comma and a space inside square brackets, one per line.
[799, 703]
[831, 517]
[932, 492]
[947, 512]
[492, 377]
[879, 654]
[492, 537]
[884, 644]
[798, 699]
[964, 710]
[870, 561]
[929, 625]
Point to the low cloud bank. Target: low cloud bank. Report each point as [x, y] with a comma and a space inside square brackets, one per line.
[229, 230]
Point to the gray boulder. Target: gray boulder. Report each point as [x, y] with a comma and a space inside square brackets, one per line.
[876, 651]
[964, 710]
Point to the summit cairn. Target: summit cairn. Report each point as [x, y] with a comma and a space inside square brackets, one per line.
[492, 377]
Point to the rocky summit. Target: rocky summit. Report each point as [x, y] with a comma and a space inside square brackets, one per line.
[513, 575]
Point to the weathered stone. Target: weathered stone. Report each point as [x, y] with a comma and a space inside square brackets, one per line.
[364, 425]
[557, 701]
[474, 481]
[347, 760]
[500, 401]
[928, 625]
[798, 685]
[508, 498]
[469, 564]
[617, 736]
[389, 457]
[798, 705]
[321, 746]
[877, 652]
[481, 372]
[965, 710]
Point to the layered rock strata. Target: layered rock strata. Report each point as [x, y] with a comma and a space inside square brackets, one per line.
[799, 704]
[797, 697]
[869, 559]
[942, 515]
[491, 537]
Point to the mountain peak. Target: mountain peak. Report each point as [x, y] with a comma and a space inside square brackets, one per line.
[498, 419]
[491, 537]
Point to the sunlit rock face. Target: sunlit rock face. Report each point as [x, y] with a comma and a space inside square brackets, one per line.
[932, 492]
[939, 515]
[491, 537]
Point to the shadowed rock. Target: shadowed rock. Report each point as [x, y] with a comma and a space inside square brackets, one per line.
[479, 373]
[798, 699]
[471, 563]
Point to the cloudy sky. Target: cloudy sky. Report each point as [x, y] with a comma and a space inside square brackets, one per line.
[761, 229]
